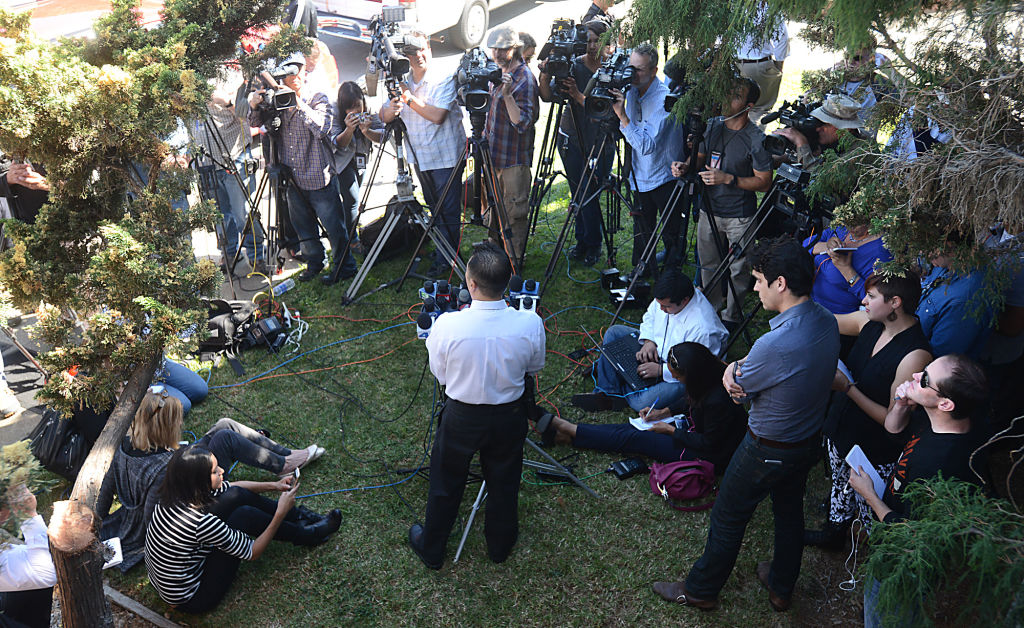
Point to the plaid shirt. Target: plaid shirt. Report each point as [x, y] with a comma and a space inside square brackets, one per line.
[435, 146]
[232, 135]
[512, 144]
[303, 141]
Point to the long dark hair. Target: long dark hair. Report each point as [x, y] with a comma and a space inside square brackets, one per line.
[694, 363]
[349, 95]
[187, 479]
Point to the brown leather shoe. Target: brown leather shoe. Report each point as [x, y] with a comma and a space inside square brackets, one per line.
[779, 603]
[676, 592]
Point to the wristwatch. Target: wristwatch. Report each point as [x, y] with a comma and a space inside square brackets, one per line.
[854, 280]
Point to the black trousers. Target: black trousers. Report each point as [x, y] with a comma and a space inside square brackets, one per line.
[26, 608]
[497, 432]
[251, 513]
[653, 203]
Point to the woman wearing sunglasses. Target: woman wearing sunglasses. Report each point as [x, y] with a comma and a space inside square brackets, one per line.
[715, 425]
[890, 347]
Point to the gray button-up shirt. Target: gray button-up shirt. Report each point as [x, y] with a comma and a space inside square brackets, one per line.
[789, 371]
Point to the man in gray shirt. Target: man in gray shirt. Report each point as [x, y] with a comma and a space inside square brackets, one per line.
[786, 377]
[736, 166]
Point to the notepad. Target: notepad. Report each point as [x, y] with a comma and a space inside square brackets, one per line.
[856, 458]
[643, 426]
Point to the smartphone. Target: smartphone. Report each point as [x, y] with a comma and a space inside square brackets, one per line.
[716, 159]
[296, 474]
[845, 249]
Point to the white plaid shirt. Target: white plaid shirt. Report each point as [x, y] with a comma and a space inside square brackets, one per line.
[435, 146]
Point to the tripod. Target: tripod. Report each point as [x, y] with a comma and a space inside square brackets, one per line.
[395, 131]
[785, 199]
[545, 176]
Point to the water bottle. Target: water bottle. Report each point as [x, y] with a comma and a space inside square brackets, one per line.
[284, 286]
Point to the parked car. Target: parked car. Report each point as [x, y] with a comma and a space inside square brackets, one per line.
[462, 22]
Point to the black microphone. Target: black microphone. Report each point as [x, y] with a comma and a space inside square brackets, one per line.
[771, 117]
[530, 285]
[423, 323]
[515, 284]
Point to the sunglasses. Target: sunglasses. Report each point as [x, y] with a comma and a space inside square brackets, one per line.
[926, 382]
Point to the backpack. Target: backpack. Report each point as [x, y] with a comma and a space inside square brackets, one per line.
[682, 481]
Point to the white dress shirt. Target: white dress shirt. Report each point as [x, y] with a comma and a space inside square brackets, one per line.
[29, 566]
[482, 354]
[697, 322]
[774, 44]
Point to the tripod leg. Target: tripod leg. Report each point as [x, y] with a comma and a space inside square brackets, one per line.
[480, 497]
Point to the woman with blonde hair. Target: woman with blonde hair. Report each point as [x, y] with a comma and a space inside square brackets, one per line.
[141, 460]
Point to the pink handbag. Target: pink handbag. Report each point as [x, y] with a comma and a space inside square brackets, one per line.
[683, 481]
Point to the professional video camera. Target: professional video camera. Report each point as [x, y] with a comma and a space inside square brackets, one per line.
[387, 39]
[476, 71]
[797, 116]
[615, 73]
[677, 85]
[566, 42]
[276, 97]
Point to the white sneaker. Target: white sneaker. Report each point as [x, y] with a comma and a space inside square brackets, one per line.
[9, 404]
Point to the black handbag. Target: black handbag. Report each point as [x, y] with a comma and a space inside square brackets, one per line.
[58, 445]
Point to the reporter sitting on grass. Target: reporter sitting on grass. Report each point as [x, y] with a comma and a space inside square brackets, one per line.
[717, 424]
[202, 528]
[141, 460]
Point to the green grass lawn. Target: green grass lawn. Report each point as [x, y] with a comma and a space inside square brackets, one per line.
[580, 561]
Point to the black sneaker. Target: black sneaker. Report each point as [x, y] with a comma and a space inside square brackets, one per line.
[592, 258]
[578, 253]
[310, 272]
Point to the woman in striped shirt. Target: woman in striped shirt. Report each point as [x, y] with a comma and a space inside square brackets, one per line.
[202, 528]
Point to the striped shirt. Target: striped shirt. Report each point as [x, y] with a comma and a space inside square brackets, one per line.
[435, 146]
[177, 543]
[230, 135]
[305, 136]
[512, 144]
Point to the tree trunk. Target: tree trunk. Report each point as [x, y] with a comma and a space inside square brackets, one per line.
[73, 541]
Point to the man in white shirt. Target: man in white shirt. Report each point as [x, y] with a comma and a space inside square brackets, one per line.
[760, 59]
[482, 355]
[433, 121]
[677, 314]
[27, 574]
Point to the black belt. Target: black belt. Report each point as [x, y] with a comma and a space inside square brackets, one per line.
[483, 407]
[807, 442]
[761, 60]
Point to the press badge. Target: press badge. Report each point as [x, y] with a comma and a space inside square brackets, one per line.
[360, 162]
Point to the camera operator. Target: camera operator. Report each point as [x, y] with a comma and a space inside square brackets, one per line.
[838, 112]
[23, 190]
[574, 150]
[304, 139]
[657, 141]
[738, 167]
[509, 131]
[222, 138]
[433, 121]
[482, 355]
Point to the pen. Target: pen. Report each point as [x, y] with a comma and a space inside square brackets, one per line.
[652, 408]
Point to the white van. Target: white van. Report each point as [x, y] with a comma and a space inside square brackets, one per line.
[466, 21]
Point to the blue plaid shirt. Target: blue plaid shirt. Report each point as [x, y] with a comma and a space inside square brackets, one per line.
[304, 140]
[512, 144]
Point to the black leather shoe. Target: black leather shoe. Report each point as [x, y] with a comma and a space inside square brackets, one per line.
[676, 592]
[591, 258]
[309, 517]
[416, 543]
[578, 253]
[831, 536]
[779, 603]
[310, 272]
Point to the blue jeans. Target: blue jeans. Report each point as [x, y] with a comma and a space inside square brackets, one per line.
[231, 200]
[898, 618]
[449, 222]
[232, 441]
[609, 381]
[348, 182]
[755, 472]
[588, 220]
[183, 383]
[304, 208]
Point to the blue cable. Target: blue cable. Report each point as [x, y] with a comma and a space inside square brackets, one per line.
[292, 359]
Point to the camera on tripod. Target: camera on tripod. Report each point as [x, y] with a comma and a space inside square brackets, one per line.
[387, 38]
[797, 116]
[615, 73]
[566, 42]
[476, 72]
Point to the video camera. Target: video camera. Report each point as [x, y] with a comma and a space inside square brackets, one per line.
[677, 85]
[476, 71]
[797, 116]
[276, 97]
[387, 39]
[566, 42]
[615, 73]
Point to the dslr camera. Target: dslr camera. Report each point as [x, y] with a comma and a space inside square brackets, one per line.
[473, 78]
[387, 38]
[615, 73]
[797, 116]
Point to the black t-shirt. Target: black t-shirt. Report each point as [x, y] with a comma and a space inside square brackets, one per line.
[582, 74]
[847, 425]
[718, 427]
[924, 456]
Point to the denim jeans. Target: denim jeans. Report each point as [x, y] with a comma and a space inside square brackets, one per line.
[231, 441]
[609, 381]
[755, 472]
[588, 220]
[873, 618]
[231, 200]
[183, 383]
[305, 207]
[348, 181]
[449, 222]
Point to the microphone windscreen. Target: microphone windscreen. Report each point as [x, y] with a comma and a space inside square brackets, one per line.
[515, 284]
[464, 296]
[423, 321]
[442, 286]
[429, 303]
[428, 286]
[531, 285]
[527, 303]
